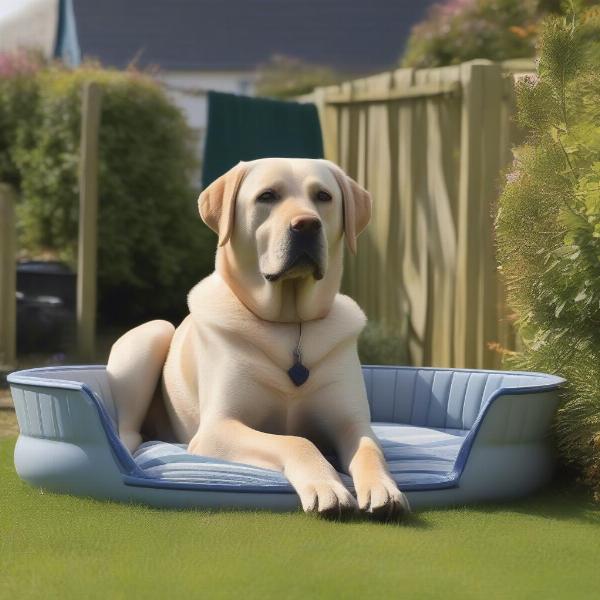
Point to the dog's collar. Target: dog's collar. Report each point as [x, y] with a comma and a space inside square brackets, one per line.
[298, 373]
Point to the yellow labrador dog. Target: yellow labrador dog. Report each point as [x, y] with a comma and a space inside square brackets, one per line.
[264, 370]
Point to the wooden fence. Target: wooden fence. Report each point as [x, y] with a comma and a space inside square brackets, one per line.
[430, 145]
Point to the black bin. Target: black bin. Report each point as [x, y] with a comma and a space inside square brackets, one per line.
[46, 298]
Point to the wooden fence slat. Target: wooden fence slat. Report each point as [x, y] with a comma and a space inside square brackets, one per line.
[88, 216]
[8, 302]
[467, 306]
[493, 163]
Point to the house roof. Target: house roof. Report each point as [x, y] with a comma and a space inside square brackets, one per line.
[350, 35]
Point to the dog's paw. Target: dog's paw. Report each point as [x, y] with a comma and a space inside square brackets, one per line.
[328, 499]
[383, 501]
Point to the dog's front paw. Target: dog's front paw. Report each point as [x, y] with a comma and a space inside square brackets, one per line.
[327, 498]
[382, 500]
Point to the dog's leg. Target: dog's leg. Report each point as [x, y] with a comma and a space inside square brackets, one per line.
[134, 367]
[315, 480]
[343, 410]
[362, 457]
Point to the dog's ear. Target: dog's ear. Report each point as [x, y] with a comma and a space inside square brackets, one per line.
[217, 202]
[357, 205]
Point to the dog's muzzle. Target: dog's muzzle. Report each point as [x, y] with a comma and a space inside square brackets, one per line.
[303, 251]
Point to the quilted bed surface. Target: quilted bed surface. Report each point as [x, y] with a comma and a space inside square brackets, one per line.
[418, 457]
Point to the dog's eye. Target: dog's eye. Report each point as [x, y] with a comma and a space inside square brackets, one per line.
[267, 196]
[323, 196]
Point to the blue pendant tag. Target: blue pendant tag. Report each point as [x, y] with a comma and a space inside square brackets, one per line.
[298, 373]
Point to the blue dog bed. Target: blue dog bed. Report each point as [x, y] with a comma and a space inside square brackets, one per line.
[450, 436]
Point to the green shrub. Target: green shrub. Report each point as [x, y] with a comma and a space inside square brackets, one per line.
[152, 245]
[18, 98]
[459, 30]
[548, 229]
[378, 345]
[284, 77]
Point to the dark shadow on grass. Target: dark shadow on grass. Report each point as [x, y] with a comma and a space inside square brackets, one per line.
[413, 520]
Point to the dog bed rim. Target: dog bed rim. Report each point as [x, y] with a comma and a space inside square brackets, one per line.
[133, 475]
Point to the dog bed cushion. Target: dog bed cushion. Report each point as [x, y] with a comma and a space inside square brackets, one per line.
[415, 456]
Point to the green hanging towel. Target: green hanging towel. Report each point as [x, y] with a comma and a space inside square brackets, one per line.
[244, 128]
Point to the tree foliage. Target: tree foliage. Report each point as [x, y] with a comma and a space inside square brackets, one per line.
[548, 228]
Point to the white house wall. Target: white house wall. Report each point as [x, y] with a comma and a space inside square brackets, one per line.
[188, 90]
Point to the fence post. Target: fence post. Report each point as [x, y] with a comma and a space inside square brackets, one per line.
[88, 217]
[476, 306]
[8, 306]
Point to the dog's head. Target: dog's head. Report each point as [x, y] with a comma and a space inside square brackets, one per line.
[281, 224]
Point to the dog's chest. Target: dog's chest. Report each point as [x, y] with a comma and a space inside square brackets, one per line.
[223, 321]
[263, 354]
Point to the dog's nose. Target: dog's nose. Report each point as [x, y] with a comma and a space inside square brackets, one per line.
[305, 224]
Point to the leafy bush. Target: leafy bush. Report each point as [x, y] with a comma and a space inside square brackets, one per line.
[152, 245]
[548, 229]
[378, 345]
[459, 30]
[18, 97]
[284, 77]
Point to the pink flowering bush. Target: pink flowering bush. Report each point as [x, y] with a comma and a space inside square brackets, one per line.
[459, 30]
[14, 64]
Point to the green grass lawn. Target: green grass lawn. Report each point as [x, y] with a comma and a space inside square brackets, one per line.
[57, 546]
